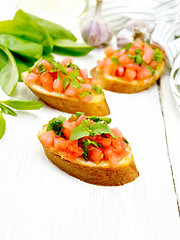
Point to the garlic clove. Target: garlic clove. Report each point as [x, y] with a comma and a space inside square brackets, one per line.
[124, 37]
[135, 24]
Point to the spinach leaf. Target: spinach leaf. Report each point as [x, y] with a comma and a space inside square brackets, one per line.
[8, 71]
[7, 110]
[46, 41]
[55, 124]
[55, 30]
[68, 47]
[22, 104]
[21, 46]
[2, 125]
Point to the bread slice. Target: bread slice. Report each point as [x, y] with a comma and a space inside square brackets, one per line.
[121, 85]
[98, 174]
[98, 106]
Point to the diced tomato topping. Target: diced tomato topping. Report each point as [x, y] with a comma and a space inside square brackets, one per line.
[105, 142]
[80, 119]
[84, 87]
[108, 51]
[134, 66]
[57, 85]
[144, 73]
[70, 91]
[60, 143]
[153, 64]
[119, 144]
[119, 53]
[83, 73]
[31, 78]
[86, 99]
[124, 60]
[47, 81]
[100, 64]
[139, 44]
[67, 128]
[66, 60]
[72, 144]
[116, 132]
[120, 71]
[47, 65]
[130, 74]
[91, 81]
[35, 70]
[111, 155]
[54, 75]
[110, 68]
[95, 154]
[47, 138]
[148, 54]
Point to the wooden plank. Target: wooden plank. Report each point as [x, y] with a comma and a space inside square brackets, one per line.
[172, 127]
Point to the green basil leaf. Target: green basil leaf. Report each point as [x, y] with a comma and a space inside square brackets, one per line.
[59, 76]
[158, 55]
[138, 59]
[86, 144]
[125, 140]
[79, 132]
[55, 124]
[127, 47]
[41, 68]
[22, 104]
[2, 125]
[106, 119]
[78, 114]
[35, 65]
[73, 74]
[55, 30]
[70, 65]
[81, 80]
[67, 47]
[86, 123]
[66, 81]
[58, 65]
[74, 83]
[84, 94]
[151, 69]
[97, 89]
[99, 128]
[8, 73]
[115, 60]
[131, 56]
[138, 51]
[7, 110]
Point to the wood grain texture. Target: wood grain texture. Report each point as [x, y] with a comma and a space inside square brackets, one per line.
[39, 201]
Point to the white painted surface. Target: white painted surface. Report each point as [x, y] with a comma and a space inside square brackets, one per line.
[38, 201]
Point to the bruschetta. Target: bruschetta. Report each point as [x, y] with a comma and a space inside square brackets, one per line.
[134, 68]
[66, 87]
[86, 148]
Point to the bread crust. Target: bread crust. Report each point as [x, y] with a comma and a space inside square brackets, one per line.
[98, 106]
[101, 174]
[121, 85]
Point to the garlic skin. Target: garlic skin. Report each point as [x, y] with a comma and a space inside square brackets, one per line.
[95, 31]
[134, 29]
[124, 37]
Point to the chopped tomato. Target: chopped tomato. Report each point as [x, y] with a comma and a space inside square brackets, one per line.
[60, 143]
[54, 74]
[73, 155]
[139, 44]
[72, 144]
[57, 85]
[119, 144]
[31, 78]
[116, 132]
[124, 60]
[95, 154]
[119, 53]
[35, 70]
[47, 65]
[109, 67]
[111, 155]
[108, 51]
[47, 81]
[100, 64]
[153, 64]
[132, 50]
[91, 81]
[83, 73]
[84, 87]
[148, 54]
[134, 66]
[47, 138]
[67, 128]
[66, 60]
[70, 91]
[105, 142]
[80, 119]
[120, 71]
[86, 99]
[144, 73]
[130, 74]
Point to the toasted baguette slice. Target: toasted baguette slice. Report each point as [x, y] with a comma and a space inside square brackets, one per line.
[98, 106]
[121, 85]
[98, 174]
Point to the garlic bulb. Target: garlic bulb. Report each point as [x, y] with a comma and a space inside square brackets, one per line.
[134, 29]
[95, 31]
